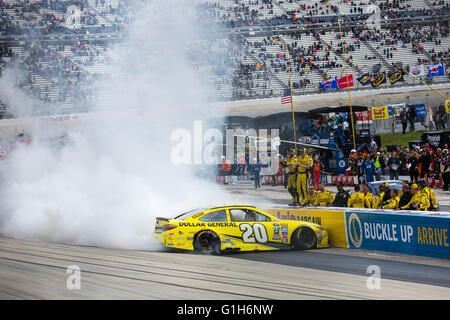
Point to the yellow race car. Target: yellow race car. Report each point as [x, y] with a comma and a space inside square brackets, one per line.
[237, 228]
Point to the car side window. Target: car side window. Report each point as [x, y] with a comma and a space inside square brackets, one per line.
[238, 215]
[215, 216]
[260, 217]
[243, 215]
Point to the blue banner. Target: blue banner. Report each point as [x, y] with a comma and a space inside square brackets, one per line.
[324, 139]
[414, 234]
[420, 110]
[329, 84]
[364, 79]
[436, 70]
[341, 162]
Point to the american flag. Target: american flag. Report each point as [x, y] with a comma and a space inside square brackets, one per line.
[286, 96]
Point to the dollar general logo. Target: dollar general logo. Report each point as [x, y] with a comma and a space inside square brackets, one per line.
[354, 230]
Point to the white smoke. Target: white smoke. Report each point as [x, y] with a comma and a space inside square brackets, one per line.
[106, 187]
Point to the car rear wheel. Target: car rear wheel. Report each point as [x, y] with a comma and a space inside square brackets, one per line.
[207, 242]
[303, 238]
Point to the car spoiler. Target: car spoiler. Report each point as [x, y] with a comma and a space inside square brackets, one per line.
[162, 219]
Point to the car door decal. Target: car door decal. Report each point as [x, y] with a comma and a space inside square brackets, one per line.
[253, 233]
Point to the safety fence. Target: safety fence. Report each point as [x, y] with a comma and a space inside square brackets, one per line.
[326, 179]
[406, 232]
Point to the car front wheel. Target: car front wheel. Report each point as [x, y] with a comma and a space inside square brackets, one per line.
[303, 238]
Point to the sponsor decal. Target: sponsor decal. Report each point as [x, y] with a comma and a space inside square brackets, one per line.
[192, 224]
[434, 139]
[197, 215]
[288, 216]
[355, 230]
[315, 140]
[222, 224]
[305, 139]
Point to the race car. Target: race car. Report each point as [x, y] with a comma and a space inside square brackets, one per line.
[237, 228]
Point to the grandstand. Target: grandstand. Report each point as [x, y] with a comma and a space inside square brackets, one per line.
[65, 59]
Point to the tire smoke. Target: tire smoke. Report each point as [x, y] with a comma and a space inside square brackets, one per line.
[107, 185]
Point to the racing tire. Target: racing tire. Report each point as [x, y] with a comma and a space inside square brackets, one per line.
[207, 242]
[303, 238]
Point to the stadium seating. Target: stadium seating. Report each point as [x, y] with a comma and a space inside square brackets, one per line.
[250, 63]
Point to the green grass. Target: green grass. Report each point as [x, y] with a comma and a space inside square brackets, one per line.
[401, 139]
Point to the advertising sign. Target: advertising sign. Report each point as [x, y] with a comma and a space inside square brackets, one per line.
[380, 113]
[400, 233]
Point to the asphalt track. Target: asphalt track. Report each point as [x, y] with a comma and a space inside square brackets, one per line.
[38, 270]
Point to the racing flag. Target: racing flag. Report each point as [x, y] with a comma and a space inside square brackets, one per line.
[396, 76]
[436, 70]
[344, 83]
[364, 79]
[418, 71]
[329, 84]
[379, 79]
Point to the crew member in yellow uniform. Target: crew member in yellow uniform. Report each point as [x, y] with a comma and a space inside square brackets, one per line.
[356, 199]
[292, 180]
[429, 193]
[305, 163]
[392, 203]
[324, 197]
[418, 201]
[379, 199]
[311, 197]
[368, 197]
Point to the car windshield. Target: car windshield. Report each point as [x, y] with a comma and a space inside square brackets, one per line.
[188, 214]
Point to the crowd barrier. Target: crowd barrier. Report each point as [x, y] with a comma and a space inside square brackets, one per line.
[326, 179]
[406, 232]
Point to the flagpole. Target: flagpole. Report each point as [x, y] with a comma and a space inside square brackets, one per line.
[292, 100]
[348, 87]
[441, 94]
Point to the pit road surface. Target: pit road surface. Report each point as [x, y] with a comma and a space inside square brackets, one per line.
[37, 270]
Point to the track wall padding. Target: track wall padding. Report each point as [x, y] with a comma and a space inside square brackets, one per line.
[406, 232]
[332, 220]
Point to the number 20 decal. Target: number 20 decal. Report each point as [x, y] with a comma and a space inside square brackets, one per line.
[255, 233]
